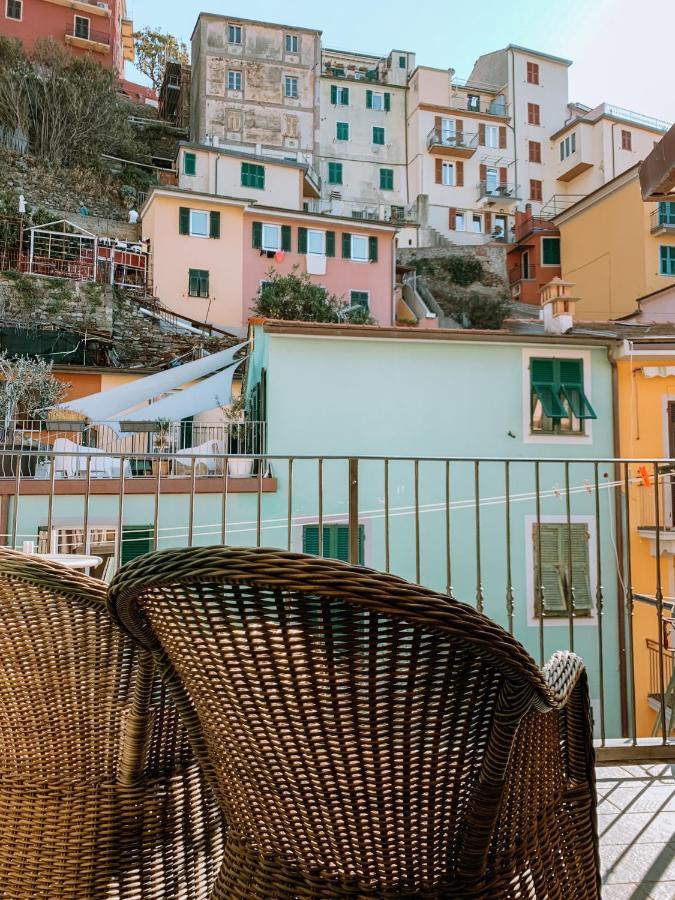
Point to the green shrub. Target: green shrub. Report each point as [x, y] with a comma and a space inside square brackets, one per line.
[295, 298]
[476, 310]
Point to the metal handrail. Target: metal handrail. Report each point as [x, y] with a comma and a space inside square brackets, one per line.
[464, 140]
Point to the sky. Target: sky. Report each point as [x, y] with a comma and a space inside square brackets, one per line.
[621, 49]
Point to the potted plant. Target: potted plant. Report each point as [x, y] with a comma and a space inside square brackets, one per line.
[238, 466]
[162, 444]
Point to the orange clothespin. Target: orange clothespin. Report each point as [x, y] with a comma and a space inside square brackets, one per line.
[644, 475]
[587, 485]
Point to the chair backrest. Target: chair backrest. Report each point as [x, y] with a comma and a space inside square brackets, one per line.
[67, 681]
[347, 714]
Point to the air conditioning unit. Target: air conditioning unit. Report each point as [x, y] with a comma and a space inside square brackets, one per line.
[359, 76]
[103, 5]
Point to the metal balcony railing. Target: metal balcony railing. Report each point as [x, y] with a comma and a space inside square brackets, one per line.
[656, 490]
[505, 193]
[87, 34]
[376, 212]
[660, 666]
[458, 140]
[662, 219]
[497, 106]
[532, 224]
[522, 273]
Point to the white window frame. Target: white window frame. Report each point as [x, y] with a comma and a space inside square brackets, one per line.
[314, 233]
[491, 172]
[500, 219]
[236, 75]
[268, 229]
[82, 19]
[448, 131]
[460, 221]
[199, 212]
[233, 29]
[579, 440]
[339, 96]
[12, 18]
[492, 136]
[476, 219]
[354, 239]
[288, 81]
[563, 620]
[294, 41]
[448, 181]
[380, 100]
[548, 237]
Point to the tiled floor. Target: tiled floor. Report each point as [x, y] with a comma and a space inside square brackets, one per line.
[636, 820]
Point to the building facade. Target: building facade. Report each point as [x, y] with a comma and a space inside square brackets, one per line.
[98, 29]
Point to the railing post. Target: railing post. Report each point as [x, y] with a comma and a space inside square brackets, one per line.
[354, 511]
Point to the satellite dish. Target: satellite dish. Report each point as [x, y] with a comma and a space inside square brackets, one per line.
[279, 256]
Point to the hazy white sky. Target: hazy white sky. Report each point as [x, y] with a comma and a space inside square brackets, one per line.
[622, 49]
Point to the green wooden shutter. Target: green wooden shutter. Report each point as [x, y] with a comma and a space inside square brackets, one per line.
[302, 240]
[345, 96]
[193, 282]
[572, 386]
[186, 432]
[372, 248]
[257, 235]
[551, 251]
[346, 246]
[137, 540]
[555, 567]
[330, 243]
[310, 540]
[203, 283]
[387, 101]
[581, 581]
[183, 220]
[190, 164]
[286, 238]
[544, 384]
[214, 224]
[551, 563]
[386, 179]
[369, 99]
[333, 93]
[340, 543]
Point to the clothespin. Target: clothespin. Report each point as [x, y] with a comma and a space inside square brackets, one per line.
[557, 491]
[644, 475]
[587, 485]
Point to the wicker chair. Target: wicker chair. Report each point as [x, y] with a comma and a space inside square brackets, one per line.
[368, 737]
[100, 794]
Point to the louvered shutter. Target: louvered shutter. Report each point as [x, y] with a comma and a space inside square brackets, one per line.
[372, 248]
[483, 173]
[387, 101]
[340, 543]
[346, 245]
[330, 243]
[459, 131]
[257, 235]
[481, 134]
[546, 540]
[333, 93]
[572, 386]
[302, 240]
[214, 224]
[452, 218]
[137, 540]
[369, 99]
[503, 175]
[580, 580]
[545, 385]
[439, 171]
[459, 173]
[345, 96]
[502, 137]
[286, 238]
[310, 540]
[183, 220]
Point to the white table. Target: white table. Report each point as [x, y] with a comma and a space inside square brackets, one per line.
[72, 560]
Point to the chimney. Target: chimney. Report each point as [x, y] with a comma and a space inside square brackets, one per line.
[557, 306]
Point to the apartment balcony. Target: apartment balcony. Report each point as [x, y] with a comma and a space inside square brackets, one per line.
[87, 39]
[403, 214]
[128, 39]
[574, 153]
[520, 273]
[662, 219]
[491, 193]
[533, 225]
[496, 106]
[656, 495]
[459, 144]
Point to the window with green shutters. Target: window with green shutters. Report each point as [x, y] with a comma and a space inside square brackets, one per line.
[378, 135]
[386, 179]
[189, 163]
[137, 540]
[252, 175]
[666, 213]
[184, 220]
[257, 235]
[565, 569]
[330, 243]
[667, 259]
[550, 251]
[335, 541]
[402, 63]
[342, 131]
[558, 404]
[378, 100]
[214, 224]
[339, 96]
[334, 173]
[198, 283]
[359, 298]
[372, 248]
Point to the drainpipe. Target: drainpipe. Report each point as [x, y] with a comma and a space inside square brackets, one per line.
[613, 159]
[618, 531]
[216, 184]
[513, 119]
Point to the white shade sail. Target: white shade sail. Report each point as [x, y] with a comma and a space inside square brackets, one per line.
[208, 394]
[107, 406]
[658, 371]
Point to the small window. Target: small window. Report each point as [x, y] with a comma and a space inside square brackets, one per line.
[491, 136]
[525, 271]
[291, 43]
[359, 249]
[558, 404]
[532, 73]
[316, 242]
[448, 173]
[233, 81]
[667, 256]
[82, 27]
[555, 546]
[14, 9]
[189, 164]
[534, 151]
[550, 251]
[360, 299]
[626, 140]
[271, 237]
[198, 283]
[377, 100]
[234, 34]
[477, 223]
[459, 221]
[335, 544]
[402, 62]
[378, 135]
[491, 180]
[339, 96]
[473, 102]
[342, 131]
[291, 86]
[253, 175]
[667, 213]
[199, 223]
[334, 173]
[533, 114]
[536, 190]
[386, 179]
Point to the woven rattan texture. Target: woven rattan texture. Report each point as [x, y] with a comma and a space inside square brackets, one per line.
[98, 798]
[368, 737]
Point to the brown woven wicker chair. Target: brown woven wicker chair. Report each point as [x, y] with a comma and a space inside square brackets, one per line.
[368, 737]
[100, 795]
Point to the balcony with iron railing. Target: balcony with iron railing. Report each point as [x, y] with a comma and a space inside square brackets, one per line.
[523, 272]
[532, 225]
[662, 219]
[99, 40]
[402, 214]
[457, 143]
[492, 192]
[497, 106]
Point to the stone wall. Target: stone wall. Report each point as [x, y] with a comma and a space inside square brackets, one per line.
[492, 256]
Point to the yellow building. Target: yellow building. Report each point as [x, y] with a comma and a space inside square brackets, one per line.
[615, 248]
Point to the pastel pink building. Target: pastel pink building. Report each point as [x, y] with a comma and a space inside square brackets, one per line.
[235, 218]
